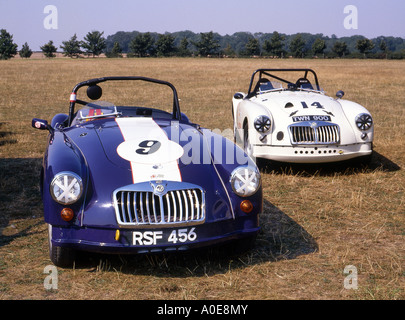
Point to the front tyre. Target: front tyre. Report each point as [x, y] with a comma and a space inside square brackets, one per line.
[60, 256]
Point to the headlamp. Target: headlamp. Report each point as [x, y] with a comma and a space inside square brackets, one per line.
[262, 124]
[364, 121]
[245, 181]
[66, 188]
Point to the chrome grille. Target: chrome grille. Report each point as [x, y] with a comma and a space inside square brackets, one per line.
[323, 134]
[143, 208]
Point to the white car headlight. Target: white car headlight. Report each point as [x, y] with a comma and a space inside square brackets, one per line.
[262, 124]
[364, 121]
[245, 181]
[66, 188]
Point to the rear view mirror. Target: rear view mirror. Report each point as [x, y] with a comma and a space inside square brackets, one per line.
[340, 94]
[40, 124]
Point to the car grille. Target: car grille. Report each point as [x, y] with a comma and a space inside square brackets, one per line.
[324, 134]
[143, 208]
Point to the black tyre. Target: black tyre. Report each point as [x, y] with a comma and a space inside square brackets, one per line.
[60, 256]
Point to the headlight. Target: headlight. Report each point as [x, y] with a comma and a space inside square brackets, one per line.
[364, 121]
[245, 181]
[66, 188]
[262, 124]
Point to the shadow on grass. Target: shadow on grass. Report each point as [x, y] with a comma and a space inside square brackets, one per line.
[280, 238]
[5, 137]
[348, 167]
[19, 195]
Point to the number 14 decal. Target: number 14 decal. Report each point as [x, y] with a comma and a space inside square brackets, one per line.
[315, 104]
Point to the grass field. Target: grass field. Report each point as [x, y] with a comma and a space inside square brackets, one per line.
[316, 220]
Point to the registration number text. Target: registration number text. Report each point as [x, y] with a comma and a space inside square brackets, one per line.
[147, 238]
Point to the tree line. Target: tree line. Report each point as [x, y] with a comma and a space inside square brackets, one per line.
[188, 43]
[246, 44]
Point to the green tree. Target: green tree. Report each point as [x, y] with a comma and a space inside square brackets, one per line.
[252, 47]
[183, 50]
[229, 52]
[384, 49]
[49, 49]
[142, 45]
[275, 45]
[8, 48]
[94, 43]
[207, 45]
[340, 48]
[25, 51]
[116, 51]
[364, 46]
[165, 45]
[71, 48]
[297, 46]
[318, 46]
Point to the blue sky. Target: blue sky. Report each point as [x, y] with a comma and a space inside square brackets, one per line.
[25, 18]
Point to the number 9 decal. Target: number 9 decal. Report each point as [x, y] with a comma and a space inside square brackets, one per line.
[150, 151]
[148, 147]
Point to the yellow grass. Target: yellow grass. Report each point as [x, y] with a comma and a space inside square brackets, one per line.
[316, 220]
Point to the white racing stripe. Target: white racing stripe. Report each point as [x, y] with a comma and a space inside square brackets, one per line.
[151, 154]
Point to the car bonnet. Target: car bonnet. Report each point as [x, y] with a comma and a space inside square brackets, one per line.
[152, 148]
[298, 104]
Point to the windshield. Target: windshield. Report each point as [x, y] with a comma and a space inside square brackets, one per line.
[268, 86]
[268, 80]
[100, 109]
[103, 109]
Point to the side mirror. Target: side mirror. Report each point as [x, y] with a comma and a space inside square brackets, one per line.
[238, 95]
[40, 124]
[185, 118]
[340, 94]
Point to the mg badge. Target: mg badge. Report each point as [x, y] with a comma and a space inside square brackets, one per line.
[313, 125]
[159, 188]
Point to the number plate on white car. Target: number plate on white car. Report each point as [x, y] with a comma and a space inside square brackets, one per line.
[311, 118]
[154, 237]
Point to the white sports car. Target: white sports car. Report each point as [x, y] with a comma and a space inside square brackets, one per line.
[295, 122]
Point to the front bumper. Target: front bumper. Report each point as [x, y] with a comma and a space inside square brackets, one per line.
[312, 153]
[136, 241]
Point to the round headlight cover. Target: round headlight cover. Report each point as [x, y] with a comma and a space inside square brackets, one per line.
[66, 188]
[262, 124]
[245, 181]
[364, 121]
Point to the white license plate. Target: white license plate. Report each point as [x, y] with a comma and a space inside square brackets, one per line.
[149, 238]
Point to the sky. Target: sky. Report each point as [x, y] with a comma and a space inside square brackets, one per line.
[38, 21]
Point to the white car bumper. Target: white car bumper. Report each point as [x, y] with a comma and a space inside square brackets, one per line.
[312, 154]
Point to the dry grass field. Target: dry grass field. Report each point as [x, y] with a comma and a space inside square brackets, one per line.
[316, 221]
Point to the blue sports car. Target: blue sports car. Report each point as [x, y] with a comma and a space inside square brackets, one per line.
[138, 179]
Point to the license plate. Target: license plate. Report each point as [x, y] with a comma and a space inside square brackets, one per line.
[155, 237]
[311, 118]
